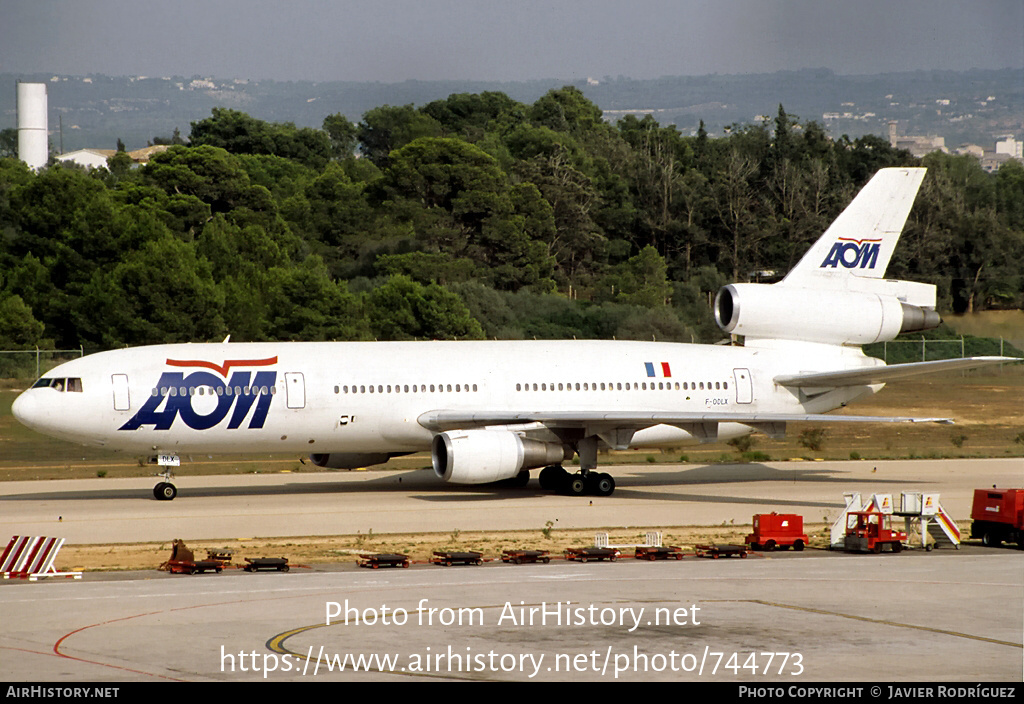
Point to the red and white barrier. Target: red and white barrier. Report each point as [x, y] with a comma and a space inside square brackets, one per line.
[32, 558]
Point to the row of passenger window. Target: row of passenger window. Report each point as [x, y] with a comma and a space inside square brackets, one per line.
[405, 388]
[213, 391]
[626, 386]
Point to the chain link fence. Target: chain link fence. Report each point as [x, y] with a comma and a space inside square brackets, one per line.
[924, 350]
[32, 364]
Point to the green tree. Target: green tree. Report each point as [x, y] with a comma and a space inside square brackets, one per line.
[344, 135]
[19, 330]
[9, 143]
[402, 309]
[239, 133]
[304, 303]
[385, 129]
[162, 293]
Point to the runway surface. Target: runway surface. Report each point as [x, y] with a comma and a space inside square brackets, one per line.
[778, 618]
[346, 503]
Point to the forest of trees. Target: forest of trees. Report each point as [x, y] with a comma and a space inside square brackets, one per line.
[475, 216]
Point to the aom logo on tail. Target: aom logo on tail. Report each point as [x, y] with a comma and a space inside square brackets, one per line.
[203, 400]
[853, 253]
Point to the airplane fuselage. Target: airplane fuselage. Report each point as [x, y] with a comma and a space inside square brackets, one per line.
[371, 397]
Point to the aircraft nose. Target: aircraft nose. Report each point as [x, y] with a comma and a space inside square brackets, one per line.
[26, 409]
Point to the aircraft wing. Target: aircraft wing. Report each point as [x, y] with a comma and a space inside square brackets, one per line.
[882, 374]
[439, 421]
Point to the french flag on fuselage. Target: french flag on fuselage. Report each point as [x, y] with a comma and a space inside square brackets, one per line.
[666, 372]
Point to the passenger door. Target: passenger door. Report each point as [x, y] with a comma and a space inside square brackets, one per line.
[744, 387]
[295, 389]
[122, 399]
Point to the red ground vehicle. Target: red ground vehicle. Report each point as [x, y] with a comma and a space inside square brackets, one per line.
[871, 531]
[777, 530]
[997, 516]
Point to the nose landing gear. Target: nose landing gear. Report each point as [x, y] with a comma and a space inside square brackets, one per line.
[165, 491]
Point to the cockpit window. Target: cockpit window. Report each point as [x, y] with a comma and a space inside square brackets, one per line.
[69, 384]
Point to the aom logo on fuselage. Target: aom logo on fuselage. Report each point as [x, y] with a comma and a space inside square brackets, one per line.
[853, 253]
[203, 399]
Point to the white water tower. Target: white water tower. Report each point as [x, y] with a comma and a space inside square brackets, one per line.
[33, 128]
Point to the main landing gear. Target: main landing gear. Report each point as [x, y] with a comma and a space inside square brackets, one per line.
[556, 478]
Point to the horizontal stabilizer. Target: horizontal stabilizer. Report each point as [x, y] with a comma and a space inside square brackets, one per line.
[882, 374]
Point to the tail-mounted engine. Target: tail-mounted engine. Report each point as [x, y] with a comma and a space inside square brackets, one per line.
[839, 317]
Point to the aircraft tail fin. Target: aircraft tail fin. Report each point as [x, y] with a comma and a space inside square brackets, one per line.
[860, 242]
[836, 294]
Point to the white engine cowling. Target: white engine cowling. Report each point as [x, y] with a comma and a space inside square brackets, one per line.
[770, 311]
[348, 460]
[482, 456]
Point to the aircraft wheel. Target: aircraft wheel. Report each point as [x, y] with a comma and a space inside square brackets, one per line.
[165, 491]
[552, 478]
[577, 485]
[521, 479]
[604, 485]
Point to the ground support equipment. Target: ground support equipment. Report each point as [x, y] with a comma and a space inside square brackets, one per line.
[266, 563]
[923, 516]
[715, 551]
[194, 566]
[383, 560]
[663, 552]
[775, 530]
[520, 557]
[449, 558]
[871, 531]
[587, 554]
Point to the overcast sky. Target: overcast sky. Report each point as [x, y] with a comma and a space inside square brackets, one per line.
[510, 40]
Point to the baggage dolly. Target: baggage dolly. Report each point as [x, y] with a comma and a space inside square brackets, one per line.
[266, 563]
[194, 566]
[383, 560]
[660, 552]
[586, 554]
[449, 558]
[715, 551]
[519, 557]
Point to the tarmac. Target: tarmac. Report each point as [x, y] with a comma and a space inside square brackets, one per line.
[774, 619]
[111, 510]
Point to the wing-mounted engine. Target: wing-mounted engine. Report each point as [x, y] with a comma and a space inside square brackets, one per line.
[482, 456]
[879, 311]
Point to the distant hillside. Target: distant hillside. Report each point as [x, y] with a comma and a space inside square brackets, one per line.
[972, 106]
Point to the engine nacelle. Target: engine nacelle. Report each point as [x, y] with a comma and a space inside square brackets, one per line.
[771, 311]
[482, 456]
[348, 460]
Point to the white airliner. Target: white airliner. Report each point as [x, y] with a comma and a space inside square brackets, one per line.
[491, 411]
